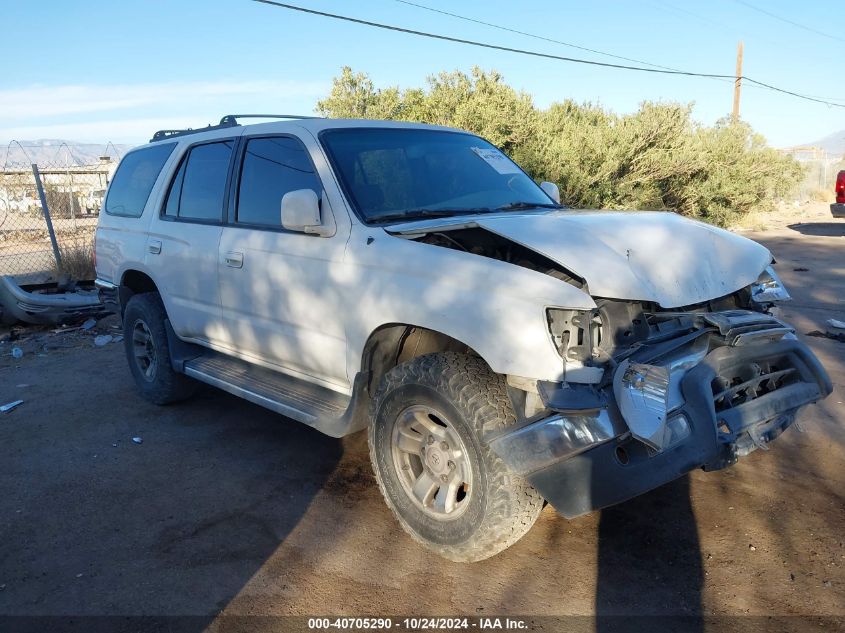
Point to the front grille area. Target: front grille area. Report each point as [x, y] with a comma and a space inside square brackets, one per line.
[750, 382]
[736, 386]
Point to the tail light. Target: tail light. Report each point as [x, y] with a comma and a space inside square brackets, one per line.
[840, 187]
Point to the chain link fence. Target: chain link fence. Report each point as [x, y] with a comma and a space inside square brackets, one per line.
[820, 169]
[70, 198]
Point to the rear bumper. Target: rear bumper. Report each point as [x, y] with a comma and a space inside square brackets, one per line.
[46, 304]
[109, 295]
[837, 209]
[593, 471]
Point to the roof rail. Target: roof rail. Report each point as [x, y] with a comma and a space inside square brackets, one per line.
[165, 134]
[233, 118]
[229, 120]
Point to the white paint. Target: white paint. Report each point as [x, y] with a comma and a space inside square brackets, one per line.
[306, 304]
[647, 256]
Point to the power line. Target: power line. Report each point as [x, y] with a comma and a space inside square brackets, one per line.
[665, 4]
[722, 25]
[788, 21]
[508, 49]
[521, 51]
[536, 37]
[794, 94]
[730, 79]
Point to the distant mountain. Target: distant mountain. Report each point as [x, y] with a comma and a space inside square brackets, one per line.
[832, 143]
[57, 153]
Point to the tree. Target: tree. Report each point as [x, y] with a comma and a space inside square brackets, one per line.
[655, 158]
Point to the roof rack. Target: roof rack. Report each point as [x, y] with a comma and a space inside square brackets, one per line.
[233, 118]
[229, 120]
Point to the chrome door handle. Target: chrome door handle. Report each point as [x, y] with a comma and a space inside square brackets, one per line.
[154, 246]
[234, 260]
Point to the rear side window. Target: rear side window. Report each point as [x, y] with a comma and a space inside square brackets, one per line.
[198, 189]
[134, 180]
[271, 168]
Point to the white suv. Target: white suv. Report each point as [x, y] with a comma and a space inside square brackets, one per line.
[501, 349]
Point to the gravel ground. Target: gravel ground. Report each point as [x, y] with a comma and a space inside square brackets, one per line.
[227, 508]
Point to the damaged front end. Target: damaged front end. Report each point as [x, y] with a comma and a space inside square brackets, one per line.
[676, 391]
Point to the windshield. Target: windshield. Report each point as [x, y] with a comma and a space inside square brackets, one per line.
[393, 174]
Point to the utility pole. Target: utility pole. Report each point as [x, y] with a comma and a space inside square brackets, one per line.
[737, 82]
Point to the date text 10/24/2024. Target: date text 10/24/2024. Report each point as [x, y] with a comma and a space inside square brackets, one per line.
[418, 624]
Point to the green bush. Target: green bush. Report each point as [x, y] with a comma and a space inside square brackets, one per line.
[657, 158]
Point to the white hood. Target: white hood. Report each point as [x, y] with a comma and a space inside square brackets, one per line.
[649, 256]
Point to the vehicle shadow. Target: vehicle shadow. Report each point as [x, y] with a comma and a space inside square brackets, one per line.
[168, 528]
[259, 477]
[820, 229]
[649, 563]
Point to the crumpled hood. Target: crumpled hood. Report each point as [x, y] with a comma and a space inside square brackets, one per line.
[648, 256]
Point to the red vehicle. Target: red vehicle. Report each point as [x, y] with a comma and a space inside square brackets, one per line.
[838, 207]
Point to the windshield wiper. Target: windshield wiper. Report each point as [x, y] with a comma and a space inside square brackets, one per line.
[518, 206]
[413, 214]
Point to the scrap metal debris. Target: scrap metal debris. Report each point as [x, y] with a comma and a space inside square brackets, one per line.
[48, 304]
[10, 406]
[835, 336]
[138, 440]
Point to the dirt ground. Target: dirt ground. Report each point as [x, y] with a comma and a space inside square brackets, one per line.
[226, 508]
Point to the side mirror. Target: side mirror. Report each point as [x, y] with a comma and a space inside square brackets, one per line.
[301, 212]
[551, 190]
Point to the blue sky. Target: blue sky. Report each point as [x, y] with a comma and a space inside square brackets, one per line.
[116, 71]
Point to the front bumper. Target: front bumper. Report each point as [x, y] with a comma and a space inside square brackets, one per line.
[46, 304]
[582, 461]
[837, 210]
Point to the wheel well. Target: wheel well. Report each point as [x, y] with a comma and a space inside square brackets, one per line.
[134, 282]
[393, 344]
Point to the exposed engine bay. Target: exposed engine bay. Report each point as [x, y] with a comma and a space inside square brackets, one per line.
[481, 242]
[665, 389]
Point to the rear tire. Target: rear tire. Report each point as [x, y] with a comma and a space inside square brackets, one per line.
[148, 352]
[444, 484]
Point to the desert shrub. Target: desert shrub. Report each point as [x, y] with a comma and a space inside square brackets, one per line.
[655, 158]
[77, 261]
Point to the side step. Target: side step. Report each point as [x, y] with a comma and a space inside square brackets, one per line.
[328, 411]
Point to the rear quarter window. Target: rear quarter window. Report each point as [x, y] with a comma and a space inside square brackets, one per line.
[134, 179]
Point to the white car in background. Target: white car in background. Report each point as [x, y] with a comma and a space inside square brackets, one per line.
[94, 200]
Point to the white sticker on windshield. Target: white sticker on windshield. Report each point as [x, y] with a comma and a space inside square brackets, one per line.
[497, 160]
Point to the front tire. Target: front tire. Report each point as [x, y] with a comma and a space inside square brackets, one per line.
[148, 352]
[444, 484]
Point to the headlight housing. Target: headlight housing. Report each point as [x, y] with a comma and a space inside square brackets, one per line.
[574, 332]
[769, 288]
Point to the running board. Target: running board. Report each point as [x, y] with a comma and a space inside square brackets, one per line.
[327, 411]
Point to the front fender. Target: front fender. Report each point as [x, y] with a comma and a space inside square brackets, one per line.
[496, 308]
